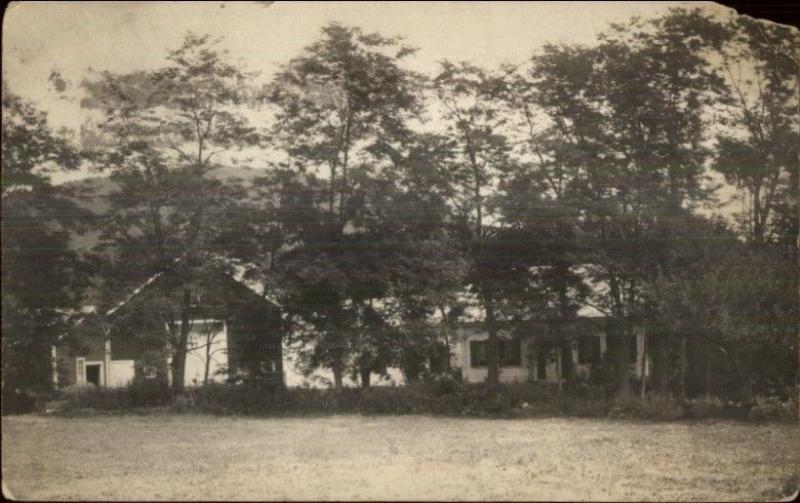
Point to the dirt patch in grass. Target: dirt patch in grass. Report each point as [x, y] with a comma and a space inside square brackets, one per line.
[410, 457]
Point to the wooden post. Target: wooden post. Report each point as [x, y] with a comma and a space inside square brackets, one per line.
[107, 365]
[644, 363]
[683, 366]
[106, 353]
[80, 371]
[168, 360]
[54, 365]
[558, 367]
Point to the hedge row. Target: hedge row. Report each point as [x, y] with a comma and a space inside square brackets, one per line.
[445, 397]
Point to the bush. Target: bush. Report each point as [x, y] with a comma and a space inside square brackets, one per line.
[442, 396]
[486, 400]
[136, 395]
[18, 402]
[713, 407]
[148, 394]
[772, 408]
[400, 400]
[445, 385]
[652, 407]
[598, 407]
[79, 398]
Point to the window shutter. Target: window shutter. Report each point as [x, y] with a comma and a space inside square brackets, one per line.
[541, 364]
[512, 356]
[596, 351]
[473, 354]
[583, 353]
[589, 350]
[80, 371]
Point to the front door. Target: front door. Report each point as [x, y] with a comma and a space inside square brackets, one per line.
[541, 365]
[93, 373]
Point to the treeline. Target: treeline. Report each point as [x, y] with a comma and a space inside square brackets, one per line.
[391, 203]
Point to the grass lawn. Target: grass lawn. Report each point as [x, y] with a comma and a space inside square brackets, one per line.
[411, 457]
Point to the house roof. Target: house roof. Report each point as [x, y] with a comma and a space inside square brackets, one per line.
[506, 323]
[237, 277]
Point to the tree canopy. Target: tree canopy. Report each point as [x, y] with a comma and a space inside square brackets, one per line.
[387, 205]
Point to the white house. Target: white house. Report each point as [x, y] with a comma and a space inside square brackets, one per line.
[522, 359]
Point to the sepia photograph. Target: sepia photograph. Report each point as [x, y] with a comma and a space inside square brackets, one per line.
[399, 251]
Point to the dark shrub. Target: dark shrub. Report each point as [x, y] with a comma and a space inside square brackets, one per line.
[136, 395]
[445, 385]
[487, 400]
[77, 398]
[772, 408]
[653, 407]
[405, 400]
[441, 396]
[713, 407]
[18, 402]
[148, 394]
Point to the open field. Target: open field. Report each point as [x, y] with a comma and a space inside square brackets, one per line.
[411, 457]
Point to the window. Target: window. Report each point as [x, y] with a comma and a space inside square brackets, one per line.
[633, 348]
[589, 350]
[477, 354]
[509, 353]
[541, 365]
[149, 371]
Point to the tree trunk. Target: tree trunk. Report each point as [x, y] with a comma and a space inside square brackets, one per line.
[492, 343]
[747, 390]
[745, 382]
[621, 338]
[338, 372]
[662, 366]
[644, 365]
[707, 380]
[567, 367]
[365, 376]
[623, 365]
[758, 221]
[683, 368]
[559, 365]
[179, 360]
[446, 340]
[208, 362]
[447, 366]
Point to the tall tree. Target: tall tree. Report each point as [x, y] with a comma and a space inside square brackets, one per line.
[472, 108]
[42, 277]
[338, 104]
[736, 304]
[757, 151]
[629, 112]
[167, 132]
[541, 204]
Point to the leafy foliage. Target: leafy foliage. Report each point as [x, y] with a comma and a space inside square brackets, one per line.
[572, 180]
[42, 277]
[165, 133]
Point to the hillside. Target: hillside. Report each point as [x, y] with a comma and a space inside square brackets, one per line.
[97, 190]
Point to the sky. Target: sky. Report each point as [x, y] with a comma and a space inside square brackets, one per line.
[76, 39]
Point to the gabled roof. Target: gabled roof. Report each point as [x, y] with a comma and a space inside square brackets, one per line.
[237, 277]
